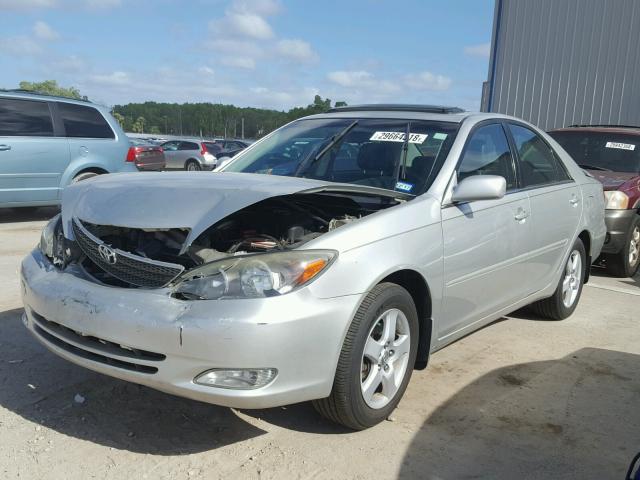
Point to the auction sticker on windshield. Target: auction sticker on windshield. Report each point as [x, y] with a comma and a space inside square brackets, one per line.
[621, 146]
[398, 137]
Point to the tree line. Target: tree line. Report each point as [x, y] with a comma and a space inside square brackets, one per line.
[193, 119]
[209, 119]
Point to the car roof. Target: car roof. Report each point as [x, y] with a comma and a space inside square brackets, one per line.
[625, 129]
[28, 95]
[411, 112]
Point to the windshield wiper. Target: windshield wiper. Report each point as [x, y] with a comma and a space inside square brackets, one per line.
[593, 167]
[401, 169]
[332, 143]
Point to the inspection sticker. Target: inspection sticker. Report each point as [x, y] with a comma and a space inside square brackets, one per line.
[440, 136]
[404, 186]
[620, 146]
[398, 137]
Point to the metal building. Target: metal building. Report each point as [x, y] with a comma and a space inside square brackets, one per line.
[564, 62]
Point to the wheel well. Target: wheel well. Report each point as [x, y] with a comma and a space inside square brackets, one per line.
[586, 241]
[415, 284]
[97, 170]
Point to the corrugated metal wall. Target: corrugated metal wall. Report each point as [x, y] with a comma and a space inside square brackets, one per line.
[562, 62]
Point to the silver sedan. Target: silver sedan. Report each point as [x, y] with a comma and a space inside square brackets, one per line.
[325, 262]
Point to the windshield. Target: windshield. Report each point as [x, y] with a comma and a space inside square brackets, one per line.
[360, 151]
[615, 152]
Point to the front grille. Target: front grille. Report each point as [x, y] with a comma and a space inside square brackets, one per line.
[77, 344]
[129, 268]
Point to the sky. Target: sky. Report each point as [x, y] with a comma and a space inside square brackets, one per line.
[258, 53]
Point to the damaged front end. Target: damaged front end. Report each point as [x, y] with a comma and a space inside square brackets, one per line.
[251, 253]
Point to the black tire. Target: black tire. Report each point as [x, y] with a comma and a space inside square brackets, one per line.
[346, 404]
[84, 176]
[620, 264]
[554, 307]
[192, 166]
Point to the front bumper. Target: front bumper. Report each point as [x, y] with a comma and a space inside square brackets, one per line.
[125, 333]
[618, 223]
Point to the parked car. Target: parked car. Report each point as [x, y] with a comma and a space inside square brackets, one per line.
[612, 155]
[325, 263]
[48, 142]
[191, 155]
[145, 155]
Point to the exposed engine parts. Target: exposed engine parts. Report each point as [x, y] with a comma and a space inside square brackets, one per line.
[277, 223]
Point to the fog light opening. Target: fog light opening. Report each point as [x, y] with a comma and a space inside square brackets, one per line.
[238, 378]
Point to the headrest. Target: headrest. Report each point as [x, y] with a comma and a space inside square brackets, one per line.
[378, 156]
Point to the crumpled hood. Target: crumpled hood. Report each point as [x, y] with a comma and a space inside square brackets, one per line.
[612, 180]
[192, 200]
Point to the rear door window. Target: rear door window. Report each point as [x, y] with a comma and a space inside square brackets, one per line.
[25, 118]
[83, 122]
[488, 153]
[538, 163]
[189, 146]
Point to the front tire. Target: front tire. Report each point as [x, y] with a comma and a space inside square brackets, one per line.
[625, 263]
[376, 361]
[567, 295]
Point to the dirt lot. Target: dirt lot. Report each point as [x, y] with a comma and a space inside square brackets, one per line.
[521, 398]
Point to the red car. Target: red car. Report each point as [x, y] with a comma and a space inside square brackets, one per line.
[612, 155]
[146, 156]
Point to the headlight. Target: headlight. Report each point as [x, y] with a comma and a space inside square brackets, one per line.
[253, 276]
[48, 236]
[616, 200]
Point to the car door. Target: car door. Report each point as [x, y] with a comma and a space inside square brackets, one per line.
[171, 154]
[484, 241]
[186, 151]
[32, 157]
[556, 204]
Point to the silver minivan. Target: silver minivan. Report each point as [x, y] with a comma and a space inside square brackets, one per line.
[48, 142]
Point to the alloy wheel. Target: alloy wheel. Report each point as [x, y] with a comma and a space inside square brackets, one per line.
[634, 246]
[572, 279]
[385, 358]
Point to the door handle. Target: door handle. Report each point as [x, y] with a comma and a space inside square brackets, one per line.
[4, 148]
[574, 201]
[521, 215]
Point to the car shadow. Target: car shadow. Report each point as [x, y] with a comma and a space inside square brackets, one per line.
[47, 390]
[27, 214]
[625, 282]
[575, 417]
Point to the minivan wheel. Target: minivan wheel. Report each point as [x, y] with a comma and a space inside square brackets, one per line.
[83, 176]
[192, 166]
[376, 360]
[567, 295]
[625, 263]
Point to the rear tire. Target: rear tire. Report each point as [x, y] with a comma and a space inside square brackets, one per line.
[625, 263]
[567, 295]
[376, 360]
[84, 176]
[192, 166]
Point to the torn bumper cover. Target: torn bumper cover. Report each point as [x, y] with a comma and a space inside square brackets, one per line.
[148, 337]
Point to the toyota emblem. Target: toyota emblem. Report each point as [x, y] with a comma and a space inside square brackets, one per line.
[107, 254]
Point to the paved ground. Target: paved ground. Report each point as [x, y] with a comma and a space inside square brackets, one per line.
[521, 398]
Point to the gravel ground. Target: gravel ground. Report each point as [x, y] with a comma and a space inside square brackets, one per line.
[521, 398]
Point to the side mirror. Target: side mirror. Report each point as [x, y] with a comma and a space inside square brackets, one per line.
[479, 187]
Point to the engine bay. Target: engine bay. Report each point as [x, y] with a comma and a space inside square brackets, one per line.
[274, 224]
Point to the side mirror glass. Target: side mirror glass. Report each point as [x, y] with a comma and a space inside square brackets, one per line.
[479, 187]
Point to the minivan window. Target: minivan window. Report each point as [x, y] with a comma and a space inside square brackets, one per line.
[25, 118]
[487, 153]
[84, 122]
[538, 164]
